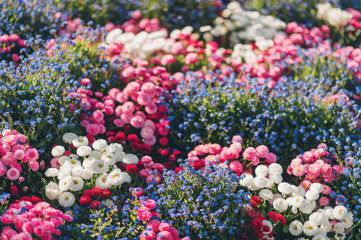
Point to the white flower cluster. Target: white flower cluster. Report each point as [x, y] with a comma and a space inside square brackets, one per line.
[243, 25]
[142, 44]
[293, 197]
[98, 161]
[334, 16]
[319, 223]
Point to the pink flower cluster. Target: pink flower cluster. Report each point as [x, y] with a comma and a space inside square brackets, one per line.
[8, 42]
[15, 153]
[156, 230]
[316, 165]
[251, 156]
[37, 220]
[150, 166]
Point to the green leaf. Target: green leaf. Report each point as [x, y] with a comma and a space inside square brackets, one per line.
[285, 229]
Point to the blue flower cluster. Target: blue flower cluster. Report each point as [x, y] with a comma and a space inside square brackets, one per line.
[40, 86]
[303, 110]
[201, 203]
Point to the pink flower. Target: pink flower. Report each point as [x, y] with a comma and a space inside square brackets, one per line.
[7, 219]
[307, 156]
[177, 48]
[255, 161]
[306, 185]
[262, 151]
[147, 133]
[164, 235]
[150, 124]
[147, 235]
[168, 59]
[137, 192]
[249, 153]
[13, 174]
[191, 58]
[144, 99]
[314, 170]
[55, 163]
[118, 122]
[154, 225]
[85, 81]
[98, 115]
[3, 169]
[324, 201]
[144, 215]
[125, 117]
[137, 122]
[128, 107]
[151, 108]
[271, 158]
[150, 141]
[8, 159]
[236, 166]
[132, 88]
[93, 129]
[237, 146]
[215, 148]
[299, 170]
[34, 165]
[148, 87]
[151, 204]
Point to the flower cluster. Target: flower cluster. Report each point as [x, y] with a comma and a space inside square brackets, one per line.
[97, 163]
[29, 220]
[299, 201]
[15, 155]
[217, 154]
[160, 230]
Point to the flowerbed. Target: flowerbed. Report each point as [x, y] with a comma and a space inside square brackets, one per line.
[210, 120]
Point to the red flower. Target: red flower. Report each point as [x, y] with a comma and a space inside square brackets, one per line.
[35, 199]
[172, 157]
[67, 153]
[273, 216]
[90, 138]
[110, 133]
[176, 152]
[105, 193]
[84, 200]
[126, 128]
[97, 192]
[120, 136]
[89, 192]
[257, 199]
[133, 138]
[256, 224]
[254, 205]
[27, 199]
[145, 148]
[163, 141]
[14, 190]
[178, 169]
[111, 139]
[162, 108]
[164, 152]
[281, 218]
[94, 204]
[131, 168]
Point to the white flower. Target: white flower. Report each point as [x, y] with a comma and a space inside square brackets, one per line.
[322, 10]
[325, 228]
[99, 166]
[120, 179]
[77, 171]
[275, 168]
[338, 18]
[76, 184]
[320, 237]
[69, 137]
[297, 201]
[316, 187]
[266, 194]
[62, 159]
[312, 195]
[83, 151]
[66, 199]
[108, 203]
[103, 182]
[57, 151]
[80, 141]
[261, 170]
[284, 188]
[52, 191]
[280, 204]
[74, 156]
[339, 212]
[307, 206]
[87, 163]
[348, 220]
[174, 34]
[95, 155]
[295, 228]
[115, 147]
[64, 183]
[51, 172]
[310, 228]
[73, 162]
[270, 226]
[316, 217]
[260, 181]
[113, 34]
[99, 144]
[247, 180]
[109, 158]
[339, 228]
[87, 174]
[130, 159]
[276, 178]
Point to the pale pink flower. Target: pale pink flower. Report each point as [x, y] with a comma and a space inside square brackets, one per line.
[128, 107]
[144, 98]
[147, 132]
[137, 121]
[148, 87]
[191, 58]
[262, 151]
